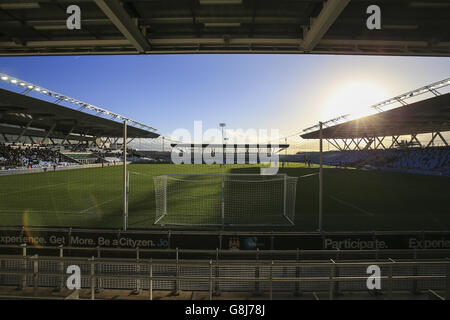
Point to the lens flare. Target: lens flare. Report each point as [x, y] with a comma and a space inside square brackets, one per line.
[94, 207]
[26, 223]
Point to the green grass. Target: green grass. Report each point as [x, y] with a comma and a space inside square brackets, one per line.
[354, 200]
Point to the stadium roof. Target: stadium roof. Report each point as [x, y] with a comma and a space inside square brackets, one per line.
[229, 145]
[426, 116]
[21, 114]
[409, 27]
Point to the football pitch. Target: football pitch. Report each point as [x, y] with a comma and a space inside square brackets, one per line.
[354, 200]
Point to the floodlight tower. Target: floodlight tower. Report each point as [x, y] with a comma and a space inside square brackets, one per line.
[222, 125]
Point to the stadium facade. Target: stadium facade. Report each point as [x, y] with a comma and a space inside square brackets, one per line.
[28, 122]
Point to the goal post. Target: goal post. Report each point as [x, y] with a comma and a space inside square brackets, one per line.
[225, 199]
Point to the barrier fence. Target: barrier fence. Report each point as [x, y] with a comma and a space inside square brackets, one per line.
[261, 271]
[243, 240]
[60, 168]
[264, 277]
[225, 254]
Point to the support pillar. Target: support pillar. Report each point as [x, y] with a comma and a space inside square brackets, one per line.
[320, 175]
[125, 213]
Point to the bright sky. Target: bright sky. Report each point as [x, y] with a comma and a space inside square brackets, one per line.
[285, 92]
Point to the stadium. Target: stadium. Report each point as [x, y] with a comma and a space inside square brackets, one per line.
[299, 217]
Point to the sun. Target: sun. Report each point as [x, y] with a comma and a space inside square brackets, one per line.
[353, 98]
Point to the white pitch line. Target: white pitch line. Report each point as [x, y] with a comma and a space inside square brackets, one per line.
[37, 188]
[308, 175]
[39, 211]
[141, 174]
[352, 206]
[99, 204]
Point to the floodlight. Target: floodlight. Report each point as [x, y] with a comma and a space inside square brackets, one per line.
[428, 4]
[72, 100]
[202, 2]
[222, 24]
[434, 87]
[23, 5]
[401, 27]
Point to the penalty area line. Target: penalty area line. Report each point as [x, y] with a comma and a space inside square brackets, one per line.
[352, 206]
[37, 188]
[99, 204]
[308, 175]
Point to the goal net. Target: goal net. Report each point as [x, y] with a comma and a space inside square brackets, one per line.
[225, 199]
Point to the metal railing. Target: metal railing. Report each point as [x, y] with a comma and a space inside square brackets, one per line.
[265, 277]
[216, 232]
[228, 254]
